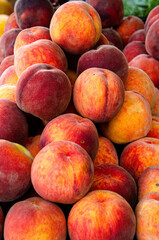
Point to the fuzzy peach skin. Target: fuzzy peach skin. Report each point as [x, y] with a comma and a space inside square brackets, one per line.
[148, 181]
[40, 51]
[101, 214]
[35, 218]
[1, 222]
[133, 49]
[128, 26]
[29, 35]
[11, 22]
[45, 86]
[106, 152]
[98, 94]
[9, 76]
[33, 144]
[152, 195]
[33, 13]
[139, 155]
[13, 123]
[151, 14]
[15, 168]
[7, 91]
[115, 178]
[155, 110]
[147, 219]
[150, 22]
[113, 37]
[149, 65]
[80, 16]
[139, 81]
[132, 122]
[62, 172]
[138, 35]
[6, 62]
[154, 131]
[72, 127]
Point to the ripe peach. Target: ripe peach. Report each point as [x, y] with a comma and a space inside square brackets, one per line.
[139, 81]
[148, 64]
[102, 41]
[52, 95]
[111, 12]
[15, 162]
[98, 94]
[154, 131]
[115, 178]
[33, 13]
[71, 176]
[35, 218]
[11, 22]
[105, 56]
[13, 123]
[40, 51]
[134, 119]
[150, 22]
[133, 49]
[147, 219]
[148, 181]
[128, 26]
[33, 144]
[106, 152]
[86, 217]
[152, 40]
[7, 41]
[9, 76]
[6, 62]
[139, 155]
[155, 110]
[77, 15]
[7, 91]
[151, 14]
[29, 35]
[138, 35]
[72, 127]
[113, 37]
[152, 195]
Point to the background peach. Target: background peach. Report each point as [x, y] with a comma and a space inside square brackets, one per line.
[87, 216]
[134, 119]
[71, 176]
[35, 218]
[11, 22]
[6, 62]
[7, 91]
[113, 37]
[155, 110]
[106, 152]
[33, 144]
[15, 179]
[77, 15]
[9, 76]
[138, 35]
[151, 14]
[154, 130]
[98, 94]
[133, 49]
[72, 127]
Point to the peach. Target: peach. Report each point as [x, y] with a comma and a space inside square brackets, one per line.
[152, 195]
[147, 219]
[33, 13]
[72, 127]
[7, 91]
[29, 35]
[150, 22]
[133, 49]
[105, 56]
[106, 152]
[52, 95]
[9, 76]
[115, 178]
[80, 16]
[134, 119]
[151, 14]
[139, 155]
[15, 177]
[98, 94]
[11, 22]
[35, 218]
[139, 81]
[113, 37]
[86, 217]
[33, 144]
[102, 41]
[111, 12]
[6, 62]
[148, 64]
[71, 176]
[7, 41]
[138, 35]
[155, 110]
[154, 131]
[13, 123]
[1, 222]
[40, 51]
[148, 181]
[152, 40]
[128, 26]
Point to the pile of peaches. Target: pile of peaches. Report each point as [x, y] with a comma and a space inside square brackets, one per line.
[79, 122]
